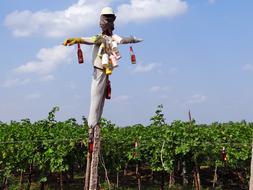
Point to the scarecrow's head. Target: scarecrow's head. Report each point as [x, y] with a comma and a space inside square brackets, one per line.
[107, 18]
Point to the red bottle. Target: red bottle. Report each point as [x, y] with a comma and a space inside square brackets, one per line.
[108, 90]
[79, 54]
[224, 154]
[133, 58]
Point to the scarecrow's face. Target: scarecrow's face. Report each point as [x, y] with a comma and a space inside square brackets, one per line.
[107, 24]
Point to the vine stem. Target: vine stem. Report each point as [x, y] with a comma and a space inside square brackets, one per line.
[106, 172]
[162, 149]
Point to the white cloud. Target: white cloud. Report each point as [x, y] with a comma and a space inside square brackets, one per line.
[15, 82]
[121, 99]
[47, 78]
[84, 15]
[248, 67]
[48, 59]
[142, 68]
[33, 96]
[72, 85]
[196, 99]
[157, 88]
[79, 17]
[164, 96]
[143, 10]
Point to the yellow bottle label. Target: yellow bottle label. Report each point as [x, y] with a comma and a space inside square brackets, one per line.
[108, 71]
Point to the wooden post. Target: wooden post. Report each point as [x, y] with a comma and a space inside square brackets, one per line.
[196, 176]
[162, 181]
[93, 184]
[215, 178]
[89, 158]
[251, 170]
[171, 179]
[5, 183]
[125, 169]
[117, 183]
[185, 181]
[29, 177]
[87, 174]
[61, 181]
[138, 175]
[21, 180]
[198, 184]
[190, 116]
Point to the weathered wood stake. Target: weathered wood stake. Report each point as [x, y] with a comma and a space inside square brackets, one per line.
[93, 184]
[251, 170]
[89, 158]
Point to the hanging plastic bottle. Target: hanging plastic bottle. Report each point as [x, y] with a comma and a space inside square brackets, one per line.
[135, 145]
[108, 90]
[108, 69]
[105, 59]
[114, 61]
[101, 47]
[107, 64]
[133, 58]
[115, 50]
[224, 154]
[136, 150]
[79, 54]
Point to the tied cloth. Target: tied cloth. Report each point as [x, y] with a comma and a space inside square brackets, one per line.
[107, 24]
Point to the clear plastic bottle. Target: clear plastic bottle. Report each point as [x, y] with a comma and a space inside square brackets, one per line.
[105, 59]
[115, 50]
[114, 61]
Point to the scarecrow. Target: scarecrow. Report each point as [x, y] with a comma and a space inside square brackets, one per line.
[105, 58]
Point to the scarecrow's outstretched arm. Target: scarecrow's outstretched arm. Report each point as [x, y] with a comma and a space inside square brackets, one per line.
[84, 40]
[131, 39]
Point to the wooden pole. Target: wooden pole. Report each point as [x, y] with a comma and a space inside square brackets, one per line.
[29, 177]
[87, 174]
[215, 178]
[93, 184]
[21, 181]
[117, 184]
[138, 175]
[61, 181]
[89, 158]
[197, 176]
[190, 116]
[251, 170]
[185, 181]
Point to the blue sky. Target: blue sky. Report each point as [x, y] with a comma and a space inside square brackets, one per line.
[195, 55]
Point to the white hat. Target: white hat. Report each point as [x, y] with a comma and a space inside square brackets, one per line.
[107, 11]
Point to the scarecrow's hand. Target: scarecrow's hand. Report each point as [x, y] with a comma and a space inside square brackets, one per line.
[130, 39]
[72, 41]
[136, 40]
[98, 39]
